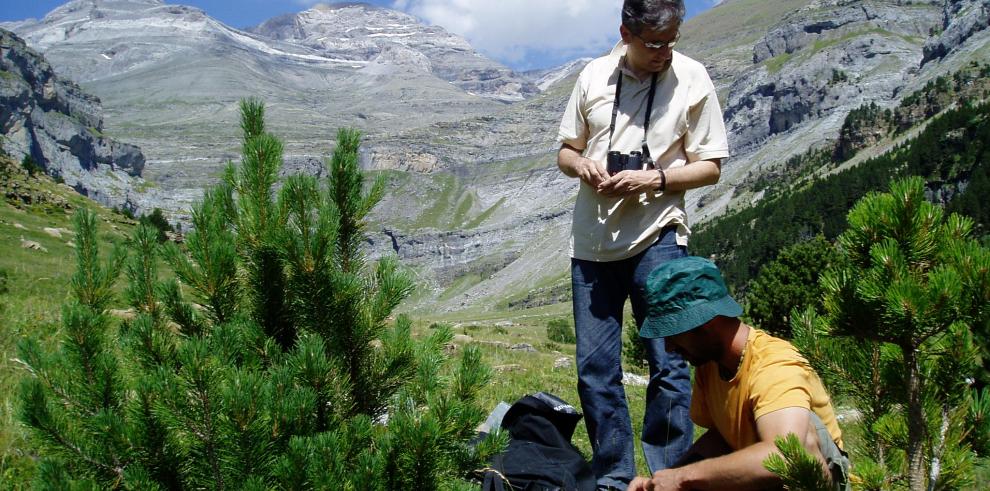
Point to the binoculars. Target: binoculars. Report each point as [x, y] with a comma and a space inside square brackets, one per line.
[617, 162]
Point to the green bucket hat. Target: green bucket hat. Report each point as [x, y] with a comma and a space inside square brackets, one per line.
[683, 294]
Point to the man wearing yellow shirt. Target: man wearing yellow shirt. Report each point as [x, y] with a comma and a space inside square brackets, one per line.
[749, 387]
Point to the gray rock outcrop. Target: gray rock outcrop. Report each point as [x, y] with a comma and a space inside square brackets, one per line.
[60, 127]
[826, 58]
[961, 19]
[823, 60]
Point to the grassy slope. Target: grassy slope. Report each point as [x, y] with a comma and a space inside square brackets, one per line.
[38, 283]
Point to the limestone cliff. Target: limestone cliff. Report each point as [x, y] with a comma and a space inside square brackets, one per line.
[60, 126]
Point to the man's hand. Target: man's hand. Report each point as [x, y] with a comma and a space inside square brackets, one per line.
[573, 164]
[590, 171]
[640, 484]
[665, 480]
[630, 182]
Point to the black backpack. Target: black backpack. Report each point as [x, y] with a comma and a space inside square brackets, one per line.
[540, 456]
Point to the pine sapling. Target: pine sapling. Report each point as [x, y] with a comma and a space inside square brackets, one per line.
[798, 469]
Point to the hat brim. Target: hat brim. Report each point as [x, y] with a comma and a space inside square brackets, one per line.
[674, 323]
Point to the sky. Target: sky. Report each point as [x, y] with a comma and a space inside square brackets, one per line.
[522, 34]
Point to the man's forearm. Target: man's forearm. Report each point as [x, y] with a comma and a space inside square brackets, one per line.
[568, 159]
[741, 470]
[694, 175]
[707, 446]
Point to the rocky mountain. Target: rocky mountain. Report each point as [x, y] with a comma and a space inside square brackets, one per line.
[389, 40]
[170, 78]
[723, 38]
[60, 127]
[961, 20]
[825, 59]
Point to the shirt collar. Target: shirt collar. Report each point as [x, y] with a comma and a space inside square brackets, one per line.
[619, 51]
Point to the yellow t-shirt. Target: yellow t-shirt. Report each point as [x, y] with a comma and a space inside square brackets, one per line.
[772, 376]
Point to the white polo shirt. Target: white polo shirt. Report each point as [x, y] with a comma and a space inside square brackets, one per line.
[686, 126]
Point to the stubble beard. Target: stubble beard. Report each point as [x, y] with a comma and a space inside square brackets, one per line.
[664, 66]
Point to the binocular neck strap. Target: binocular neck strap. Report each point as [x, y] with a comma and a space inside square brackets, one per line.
[646, 118]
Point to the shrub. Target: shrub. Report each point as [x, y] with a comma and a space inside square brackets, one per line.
[158, 221]
[633, 349]
[32, 167]
[561, 331]
[901, 302]
[788, 282]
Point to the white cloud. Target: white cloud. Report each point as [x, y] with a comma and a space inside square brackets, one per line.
[513, 30]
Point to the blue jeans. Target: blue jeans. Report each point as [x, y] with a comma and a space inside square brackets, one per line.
[600, 290]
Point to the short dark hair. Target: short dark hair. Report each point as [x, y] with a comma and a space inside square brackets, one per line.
[639, 15]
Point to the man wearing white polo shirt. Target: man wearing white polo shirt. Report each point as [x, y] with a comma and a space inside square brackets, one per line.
[643, 102]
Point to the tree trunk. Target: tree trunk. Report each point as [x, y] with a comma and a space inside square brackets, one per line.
[915, 421]
[877, 406]
[936, 465]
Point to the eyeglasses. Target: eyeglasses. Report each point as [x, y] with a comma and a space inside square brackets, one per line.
[661, 45]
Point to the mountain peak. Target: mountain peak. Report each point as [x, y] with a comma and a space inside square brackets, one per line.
[344, 5]
[390, 40]
[80, 5]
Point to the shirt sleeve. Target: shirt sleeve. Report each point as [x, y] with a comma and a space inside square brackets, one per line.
[779, 386]
[574, 124]
[706, 138]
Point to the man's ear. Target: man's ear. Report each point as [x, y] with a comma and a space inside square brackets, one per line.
[625, 33]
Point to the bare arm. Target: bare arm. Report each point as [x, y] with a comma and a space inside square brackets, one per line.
[694, 175]
[573, 164]
[707, 446]
[742, 469]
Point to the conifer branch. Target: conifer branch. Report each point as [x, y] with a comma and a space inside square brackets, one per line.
[797, 469]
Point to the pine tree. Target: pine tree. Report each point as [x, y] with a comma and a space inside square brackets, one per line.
[273, 360]
[908, 287]
[790, 281]
[75, 399]
[798, 469]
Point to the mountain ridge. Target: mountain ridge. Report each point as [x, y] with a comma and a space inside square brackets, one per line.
[476, 205]
[171, 77]
[367, 32]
